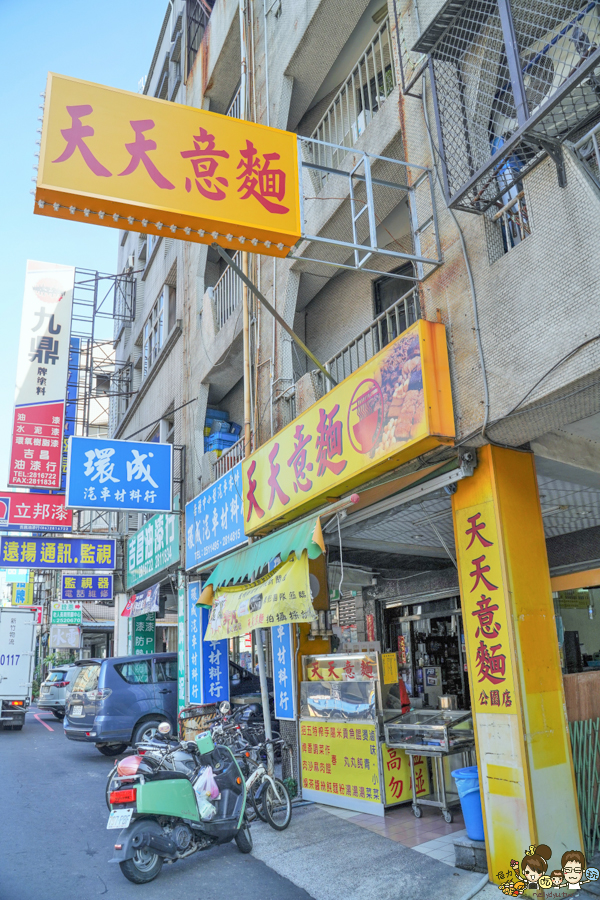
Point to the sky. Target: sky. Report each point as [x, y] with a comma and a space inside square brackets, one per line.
[111, 43]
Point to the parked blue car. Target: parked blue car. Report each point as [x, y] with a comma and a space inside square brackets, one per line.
[122, 700]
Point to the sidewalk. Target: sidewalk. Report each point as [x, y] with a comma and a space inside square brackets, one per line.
[333, 858]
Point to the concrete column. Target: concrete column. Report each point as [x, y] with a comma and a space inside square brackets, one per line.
[120, 633]
[523, 748]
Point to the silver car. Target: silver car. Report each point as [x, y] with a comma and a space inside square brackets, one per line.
[55, 690]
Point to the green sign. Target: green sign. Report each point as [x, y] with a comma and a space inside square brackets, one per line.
[66, 614]
[180, 640]
[143, 634]
[153, 548]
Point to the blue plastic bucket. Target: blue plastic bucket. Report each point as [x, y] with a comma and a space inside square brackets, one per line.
[467, 785]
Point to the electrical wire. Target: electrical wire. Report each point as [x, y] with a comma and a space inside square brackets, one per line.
[341, 555]
[156, 421]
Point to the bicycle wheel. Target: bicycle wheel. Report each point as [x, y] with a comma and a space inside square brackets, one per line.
[277, 805]
[256, 796]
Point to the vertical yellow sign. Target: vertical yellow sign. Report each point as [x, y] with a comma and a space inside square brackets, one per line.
[389, 664]
[397, 777]
[22, 594]
[485, 617]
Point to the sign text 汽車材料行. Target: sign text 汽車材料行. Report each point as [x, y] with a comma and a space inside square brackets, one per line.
[208, 660]
[42, 363]
[284, 678]
[57, 553]
[111, 155]
[86, 587]
[214, 520]
[392, 409]
[153, 548]
[119, 475]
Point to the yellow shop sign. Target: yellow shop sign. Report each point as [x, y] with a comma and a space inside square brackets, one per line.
[115, 158]
[395, 407]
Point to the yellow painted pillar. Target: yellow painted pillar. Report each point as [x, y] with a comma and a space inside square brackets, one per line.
[523, 746]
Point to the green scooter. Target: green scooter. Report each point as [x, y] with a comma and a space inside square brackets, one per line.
[158, 811]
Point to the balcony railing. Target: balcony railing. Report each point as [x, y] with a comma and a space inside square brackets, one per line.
[229, 458]
[361, 96]
[387, 326]
[228, 294]
[235, 107]
[588, 151]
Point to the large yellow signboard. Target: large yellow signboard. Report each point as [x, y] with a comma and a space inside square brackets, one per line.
[111, 157]
[395, 407]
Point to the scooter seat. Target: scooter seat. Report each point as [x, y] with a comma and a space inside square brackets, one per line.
[166, 776]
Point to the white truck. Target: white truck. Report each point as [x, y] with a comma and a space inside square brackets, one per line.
[17, 658]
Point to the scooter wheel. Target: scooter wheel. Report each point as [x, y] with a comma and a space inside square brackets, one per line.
[143, 867]
[243, 839]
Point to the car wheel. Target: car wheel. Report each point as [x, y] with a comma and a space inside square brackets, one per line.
[111, 749]
[58, 715]
[145, 731]
[18, 726]
[143, 867]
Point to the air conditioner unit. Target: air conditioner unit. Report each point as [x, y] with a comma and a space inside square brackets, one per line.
[130, 261]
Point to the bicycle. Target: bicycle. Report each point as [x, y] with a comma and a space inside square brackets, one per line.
[268, 795]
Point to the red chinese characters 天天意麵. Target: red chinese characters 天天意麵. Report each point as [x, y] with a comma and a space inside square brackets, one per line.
[329, 445]
[259, 177]
[489, 659]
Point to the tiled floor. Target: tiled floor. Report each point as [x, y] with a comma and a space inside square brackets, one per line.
[429, 834]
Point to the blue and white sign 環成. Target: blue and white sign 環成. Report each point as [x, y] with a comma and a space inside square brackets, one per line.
[208, 660]
[57, 553]
[119, 475]
[214, 520]
[86, 587]
[283, 672]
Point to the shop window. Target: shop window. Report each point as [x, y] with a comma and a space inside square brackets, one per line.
[153, 334]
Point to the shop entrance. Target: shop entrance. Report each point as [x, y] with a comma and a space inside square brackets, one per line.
[429, 641]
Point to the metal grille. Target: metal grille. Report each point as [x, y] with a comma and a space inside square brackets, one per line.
[396, 319]
[235, 107]
[361, 96]
[410, 64]
[386, 214]
[229, 458]
[513, 79]
[587, 149]
[228, 293]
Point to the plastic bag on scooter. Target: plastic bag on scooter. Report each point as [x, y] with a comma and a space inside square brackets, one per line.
[206, 783]
[203, 788]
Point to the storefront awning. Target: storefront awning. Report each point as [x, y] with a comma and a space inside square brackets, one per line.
[246, 564]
